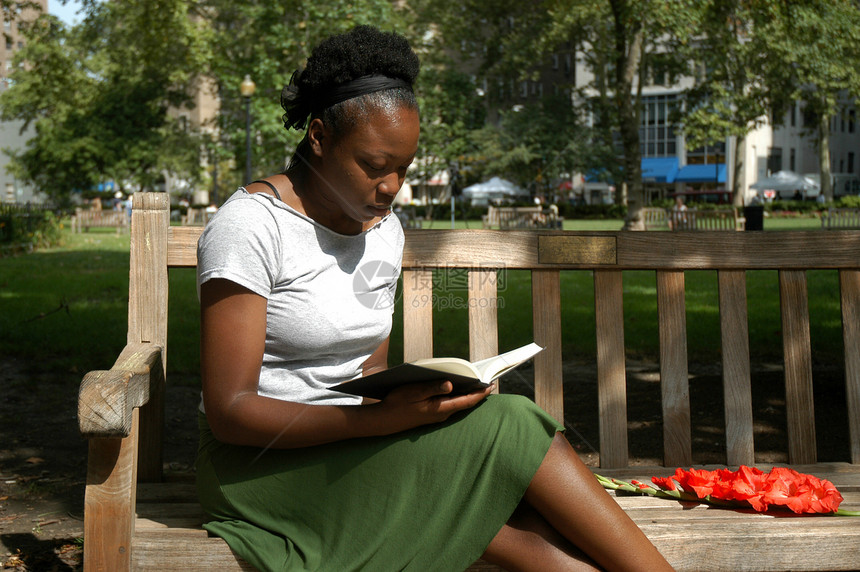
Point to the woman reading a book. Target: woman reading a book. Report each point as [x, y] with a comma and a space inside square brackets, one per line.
[296, 275]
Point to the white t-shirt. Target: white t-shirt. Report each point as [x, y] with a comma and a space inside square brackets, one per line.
[330, 296]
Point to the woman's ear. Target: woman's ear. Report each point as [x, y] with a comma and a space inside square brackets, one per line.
[317, 136]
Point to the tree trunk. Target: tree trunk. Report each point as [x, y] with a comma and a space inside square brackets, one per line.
[738, 198]
[627, 55]
[824, 156]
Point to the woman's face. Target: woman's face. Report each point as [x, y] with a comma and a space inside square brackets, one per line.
[361, 171]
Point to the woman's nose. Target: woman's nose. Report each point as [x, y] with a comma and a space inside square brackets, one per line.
[390, 184]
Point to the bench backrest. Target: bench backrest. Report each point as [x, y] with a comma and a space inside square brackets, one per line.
[655, 217]
[693, 219]
[546, 254]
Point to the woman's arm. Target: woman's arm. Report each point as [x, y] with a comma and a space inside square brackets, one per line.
[233, 334]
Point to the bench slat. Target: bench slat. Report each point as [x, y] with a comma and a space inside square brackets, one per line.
[611, 371]
[797, 353]
[155, 551]
[734, 330]
[182, 246]
[546, 315]
[708, 250]
[483, 314]
[417, 314]
[849, 287]
[674, 382]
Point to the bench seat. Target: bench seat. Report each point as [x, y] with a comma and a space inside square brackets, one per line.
[692, 536]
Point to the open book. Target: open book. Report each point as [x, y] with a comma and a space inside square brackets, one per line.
[466, 376]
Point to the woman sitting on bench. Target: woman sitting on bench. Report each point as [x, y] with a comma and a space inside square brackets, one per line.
[295, 476]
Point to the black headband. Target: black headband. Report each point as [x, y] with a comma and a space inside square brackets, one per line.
[359, 86]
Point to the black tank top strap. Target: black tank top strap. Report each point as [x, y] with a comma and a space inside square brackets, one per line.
[271, 186]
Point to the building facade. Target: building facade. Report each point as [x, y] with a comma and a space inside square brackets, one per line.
[11, 135]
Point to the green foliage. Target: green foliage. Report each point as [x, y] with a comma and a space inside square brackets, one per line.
[26, 228]
[98, 94]
[532, 145]
[268, 40]
[792, 208]
[848, 202]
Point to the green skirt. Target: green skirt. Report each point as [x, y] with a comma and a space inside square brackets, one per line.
[431, 498]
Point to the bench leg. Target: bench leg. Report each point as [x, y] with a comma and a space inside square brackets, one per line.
[109, 502]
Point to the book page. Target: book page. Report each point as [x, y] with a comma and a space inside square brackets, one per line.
[457, 366]
[491, 368]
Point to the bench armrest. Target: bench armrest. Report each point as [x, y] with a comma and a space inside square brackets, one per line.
[107, 399]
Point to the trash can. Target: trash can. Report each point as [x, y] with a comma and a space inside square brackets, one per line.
[754, 215]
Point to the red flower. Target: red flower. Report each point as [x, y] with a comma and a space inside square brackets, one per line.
[798, 492]
[665, 483]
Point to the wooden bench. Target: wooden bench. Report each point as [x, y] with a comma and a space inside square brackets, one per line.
[507, 218]
[408, 217]
[692, 219]
[83, 220]
[196, 216]
[836, 219]
[655, 218]
[135, 520]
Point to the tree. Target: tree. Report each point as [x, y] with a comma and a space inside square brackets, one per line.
[535, 145]
[268, 40]
[741, 85]
[98, 96]
[616, 36]
[818, 43]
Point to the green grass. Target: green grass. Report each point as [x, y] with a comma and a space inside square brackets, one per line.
[65, 309]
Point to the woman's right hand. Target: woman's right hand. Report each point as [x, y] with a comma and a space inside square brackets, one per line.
[418, 404]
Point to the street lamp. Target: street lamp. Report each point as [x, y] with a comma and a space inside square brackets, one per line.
[247, 88]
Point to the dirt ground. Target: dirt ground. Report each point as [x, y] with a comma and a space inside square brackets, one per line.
[43, 458]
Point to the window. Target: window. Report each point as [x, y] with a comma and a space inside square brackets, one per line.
[555, 61]
[850, 163]
[656, 133]
[524, 89]
[774, 159]
[791, 160]
[809, 117]
[851, 119]
[794, 114]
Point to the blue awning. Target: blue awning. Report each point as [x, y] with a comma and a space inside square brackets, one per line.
[659, 169]
[601, 175]
[715, 172]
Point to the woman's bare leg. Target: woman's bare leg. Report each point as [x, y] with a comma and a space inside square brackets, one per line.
[528, 542]
[565, 492]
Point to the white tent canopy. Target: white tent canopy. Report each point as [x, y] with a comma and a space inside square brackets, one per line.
[786, 181]
[495, 188]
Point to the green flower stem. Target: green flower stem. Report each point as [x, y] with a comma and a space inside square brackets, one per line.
[843, 512]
